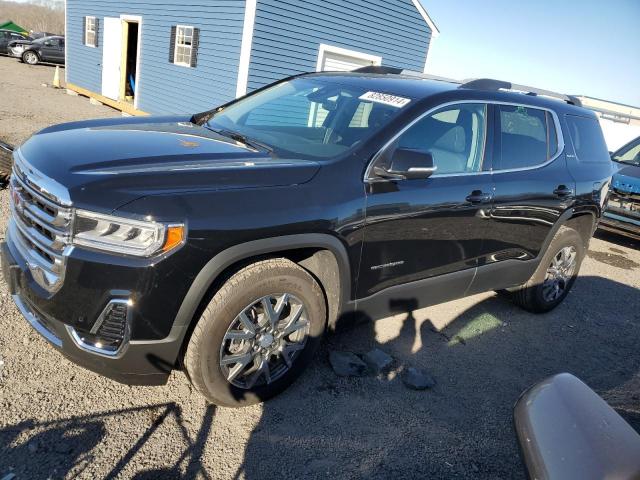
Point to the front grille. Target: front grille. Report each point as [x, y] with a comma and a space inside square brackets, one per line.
[41, 225]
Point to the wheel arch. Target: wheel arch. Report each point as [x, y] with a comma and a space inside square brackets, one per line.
[35, 52]
[584, 222]
[322, 255]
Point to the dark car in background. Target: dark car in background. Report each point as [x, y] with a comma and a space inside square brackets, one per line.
[8, 36]
[46, 49]
[622, 214]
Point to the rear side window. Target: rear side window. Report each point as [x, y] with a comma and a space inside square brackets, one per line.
[588, 140]
[527, 137]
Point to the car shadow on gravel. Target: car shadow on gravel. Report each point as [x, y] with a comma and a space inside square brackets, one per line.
[66, 448]
[373, 427]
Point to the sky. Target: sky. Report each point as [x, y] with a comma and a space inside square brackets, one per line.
[578, 47]
[588, 47]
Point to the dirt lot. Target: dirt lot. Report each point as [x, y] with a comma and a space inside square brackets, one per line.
[59, 420]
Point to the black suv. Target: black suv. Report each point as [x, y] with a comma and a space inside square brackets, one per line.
[227, 242]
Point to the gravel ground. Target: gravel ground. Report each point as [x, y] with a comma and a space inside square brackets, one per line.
[60, 421]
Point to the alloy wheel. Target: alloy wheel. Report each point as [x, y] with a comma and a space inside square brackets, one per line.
[31, 58]
[559, 273]
[264, 340]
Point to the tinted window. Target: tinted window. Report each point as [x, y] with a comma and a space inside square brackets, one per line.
[454, 136]
[588, 140]
[523, 137]
[310, 117]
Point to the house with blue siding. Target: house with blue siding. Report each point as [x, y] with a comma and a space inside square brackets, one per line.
[171, 56]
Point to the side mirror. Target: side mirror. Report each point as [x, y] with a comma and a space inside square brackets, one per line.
[407, 164]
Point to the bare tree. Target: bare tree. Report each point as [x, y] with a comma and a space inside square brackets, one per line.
[37, 16]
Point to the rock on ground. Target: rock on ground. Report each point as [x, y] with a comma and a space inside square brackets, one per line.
[377, 361]
[347, 364]
[416, 379]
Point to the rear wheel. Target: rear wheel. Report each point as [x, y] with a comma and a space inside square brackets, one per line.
[257, 334]
[554, 277]
[30, 57]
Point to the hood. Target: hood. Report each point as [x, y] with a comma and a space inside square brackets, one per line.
[627, 180]
[107, 163]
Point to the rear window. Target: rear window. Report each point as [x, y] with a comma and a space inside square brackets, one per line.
[588, 140]
[527, 137]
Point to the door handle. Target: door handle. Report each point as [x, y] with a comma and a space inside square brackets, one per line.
[563, 191]
[478, 196]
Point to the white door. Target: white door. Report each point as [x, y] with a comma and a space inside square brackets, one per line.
[111, 57]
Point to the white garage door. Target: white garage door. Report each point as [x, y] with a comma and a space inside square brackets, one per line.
[334, 62]
[336, 59]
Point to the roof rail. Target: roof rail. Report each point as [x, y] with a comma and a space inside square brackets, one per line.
[473, 83]
[495, 85]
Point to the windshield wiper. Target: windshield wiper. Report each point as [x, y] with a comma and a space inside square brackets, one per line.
[238, 137]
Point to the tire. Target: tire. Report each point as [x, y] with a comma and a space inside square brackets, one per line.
[539, 297]
[30, 58]
[245, 292]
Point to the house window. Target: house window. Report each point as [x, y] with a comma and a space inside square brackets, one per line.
[186, 44]
[90, 31]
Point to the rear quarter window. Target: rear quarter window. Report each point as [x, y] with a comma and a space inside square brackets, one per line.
[587, 139]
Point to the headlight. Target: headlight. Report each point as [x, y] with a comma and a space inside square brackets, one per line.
[124, 236]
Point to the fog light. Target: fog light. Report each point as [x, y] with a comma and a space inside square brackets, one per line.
[110, 333]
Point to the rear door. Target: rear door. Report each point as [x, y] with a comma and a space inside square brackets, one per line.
[420, 229]
[532, 184]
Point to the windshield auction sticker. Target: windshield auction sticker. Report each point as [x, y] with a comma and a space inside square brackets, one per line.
[385, 98]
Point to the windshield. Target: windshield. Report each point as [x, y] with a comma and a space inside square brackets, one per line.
[629, 154]
[316, 118]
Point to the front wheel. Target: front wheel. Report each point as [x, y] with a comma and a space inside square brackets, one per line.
[30, 58]
[554, 277]
[257, 334]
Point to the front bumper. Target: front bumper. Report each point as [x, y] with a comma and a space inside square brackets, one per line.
[622, 215]
[139, 362]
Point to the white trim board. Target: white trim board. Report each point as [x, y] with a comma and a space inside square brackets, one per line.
[423, 12]
[245, 48]
[324, 48]
[66, 58]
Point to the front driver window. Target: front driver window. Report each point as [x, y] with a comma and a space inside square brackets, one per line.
[454, 136]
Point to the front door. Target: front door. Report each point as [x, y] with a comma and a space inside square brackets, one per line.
[52, 50]
[417, 229]
[111, 58]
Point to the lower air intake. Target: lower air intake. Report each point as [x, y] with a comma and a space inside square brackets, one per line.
[110, 334]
